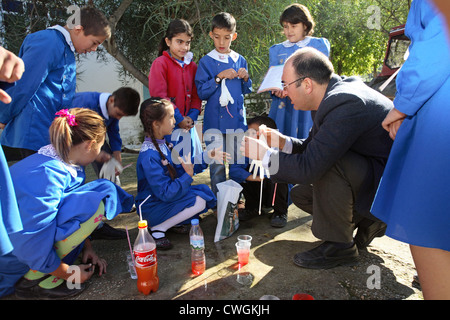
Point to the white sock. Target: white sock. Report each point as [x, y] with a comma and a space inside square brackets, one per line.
[183, 215]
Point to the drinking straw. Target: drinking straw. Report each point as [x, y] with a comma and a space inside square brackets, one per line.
[129, 243]
[140, 211]
[274, 193]
[260, 195]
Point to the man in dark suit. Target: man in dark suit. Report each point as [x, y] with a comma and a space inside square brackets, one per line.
[338, 167]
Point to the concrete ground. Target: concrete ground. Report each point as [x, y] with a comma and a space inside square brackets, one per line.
[384, 272]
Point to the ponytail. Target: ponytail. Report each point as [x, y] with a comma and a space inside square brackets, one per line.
[74, 126]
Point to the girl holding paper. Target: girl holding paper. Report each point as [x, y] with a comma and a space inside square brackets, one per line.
[298, 27]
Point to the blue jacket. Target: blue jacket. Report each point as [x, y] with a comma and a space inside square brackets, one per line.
[47, 86]
[92, 100]
[217, 117]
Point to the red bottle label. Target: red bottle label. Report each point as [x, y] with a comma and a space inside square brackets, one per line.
[145, 259]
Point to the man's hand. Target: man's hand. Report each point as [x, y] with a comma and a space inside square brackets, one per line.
[274, 138]
[254, 149]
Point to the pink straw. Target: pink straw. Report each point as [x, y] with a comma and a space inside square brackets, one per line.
[274, 193]
[129, 243]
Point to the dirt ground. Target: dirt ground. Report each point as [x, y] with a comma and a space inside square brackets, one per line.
[384, 272]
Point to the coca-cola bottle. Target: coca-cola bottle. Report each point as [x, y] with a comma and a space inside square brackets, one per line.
[145, 260]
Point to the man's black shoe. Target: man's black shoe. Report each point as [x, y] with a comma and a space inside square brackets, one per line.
[366, 234]
[327, 255]
[106, 232]
[278, 220]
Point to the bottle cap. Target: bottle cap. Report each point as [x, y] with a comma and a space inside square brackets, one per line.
[142, 224]
[194, 221]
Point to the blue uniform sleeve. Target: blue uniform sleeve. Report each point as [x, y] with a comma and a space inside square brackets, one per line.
[427, 67]
[39, 202]
[193, 114]
[37, 66]
[114, 136]
[239, 172]
[205, 80]
[162, 186]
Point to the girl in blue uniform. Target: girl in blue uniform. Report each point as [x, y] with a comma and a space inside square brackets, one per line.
[298, 27]
[413, 196]
[166, 196]
[58, 211]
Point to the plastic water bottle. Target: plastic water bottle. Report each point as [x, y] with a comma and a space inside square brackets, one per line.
[198, 261]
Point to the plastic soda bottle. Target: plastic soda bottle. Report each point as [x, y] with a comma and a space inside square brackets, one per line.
[145, 260]
[198, 261]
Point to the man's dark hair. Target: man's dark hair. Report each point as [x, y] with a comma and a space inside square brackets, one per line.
[225, 21]
[259, 120]
[127, 100]
[311, 63]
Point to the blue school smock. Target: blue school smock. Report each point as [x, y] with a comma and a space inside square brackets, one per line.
[215, 116]
[413, 196]
[47, 86]
[291, 122]
[167, 197]
[53, 201]
[96, 101]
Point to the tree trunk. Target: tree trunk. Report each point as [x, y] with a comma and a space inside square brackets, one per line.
[111, 47]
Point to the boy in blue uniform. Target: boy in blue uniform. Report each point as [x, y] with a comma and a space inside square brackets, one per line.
[123, 102]
[48, 84]
[112, 107]
[222, 80]
[273, 195]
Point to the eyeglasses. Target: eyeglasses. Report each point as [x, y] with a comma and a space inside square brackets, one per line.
[285, 86]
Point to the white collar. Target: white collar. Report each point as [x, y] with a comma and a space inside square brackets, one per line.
[300, 44]
[66, 35]
[50, 151]
[102, 100]
[223, 57]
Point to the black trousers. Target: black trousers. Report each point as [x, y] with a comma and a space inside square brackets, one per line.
[252, 189]
[331, 200]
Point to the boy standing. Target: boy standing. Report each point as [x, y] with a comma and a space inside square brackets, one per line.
[273, 195]
[222, 80]
[48, 83]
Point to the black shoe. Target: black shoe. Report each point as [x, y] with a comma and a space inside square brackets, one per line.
[30, 289]
[278, 220]
[327, 255]
[106, 232]
[161, 243]
[366, 234]
[246, 214]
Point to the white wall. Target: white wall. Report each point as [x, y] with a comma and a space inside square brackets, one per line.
[102, 76]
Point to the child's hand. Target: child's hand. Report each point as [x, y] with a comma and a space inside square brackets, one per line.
[187, 165]
[11, 70]
[228, 74]
[103, 157]
[279, 93]
[90, 255]
[243, 74]
[218, 155]
[186, 124]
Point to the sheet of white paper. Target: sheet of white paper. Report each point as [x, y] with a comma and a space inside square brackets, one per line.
[272, 80]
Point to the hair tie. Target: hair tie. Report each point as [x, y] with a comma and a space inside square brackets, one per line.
[69, 117]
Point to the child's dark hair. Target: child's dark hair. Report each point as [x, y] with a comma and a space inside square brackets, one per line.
[175, 27]
[74, 126]
[225, 21]
[296, 13]
[259, 120]
[127, 100]
[155, 109]
[94, 22]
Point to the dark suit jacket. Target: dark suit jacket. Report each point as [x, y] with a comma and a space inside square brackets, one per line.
[348, 119]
